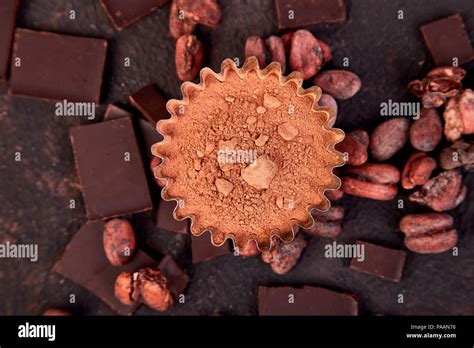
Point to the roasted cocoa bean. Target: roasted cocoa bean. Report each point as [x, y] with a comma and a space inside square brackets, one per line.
[306, 55]
[429, 233]
[284, 256]
[255, 46]
[459, 116]
[341, 84]
[457, 155]
[466, 110]
[327, 56]
[123, 288]
[119, 241]
[155, 162]
[250, 249]
[374, 181]
[207, 12]
[426, 132]
[454, 73]
[388, 138]
[57, 312]
[328, 223]
[443, 192]
[335, 195]
[189, 56]
[417, 170]
[277, 51]
[179, 24]
[327, 101]
[354, 146]
[286, 40]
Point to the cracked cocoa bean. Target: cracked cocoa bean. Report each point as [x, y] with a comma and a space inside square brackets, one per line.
[354, 146]
[277, 51]
[374, 181]
[188, 57]
[459, 116]
[426, 132]
[388, 138]
[443, 192]
[179, 24]
[326, 224]
[119, 241]
[206, 12]
[429, 233]
[284, 256]
[457, 155]
[123, 288]
[327, 101]
[341, 84]
[417, 170]
[306, 55]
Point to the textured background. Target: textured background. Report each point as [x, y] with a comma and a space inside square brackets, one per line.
[385, 52]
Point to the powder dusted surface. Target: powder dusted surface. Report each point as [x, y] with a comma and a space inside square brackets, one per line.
[248, 120]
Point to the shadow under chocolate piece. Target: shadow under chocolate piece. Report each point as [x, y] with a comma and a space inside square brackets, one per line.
[166, 221]
[57, 67]
[84, 262]
[300, 13]
[113, 112]
[110, 169]
[203, 250]
[150, 103]
[307, 300]
[126, 12]
[380, 261]
[8, 10]
[177, 279]
[447, 39]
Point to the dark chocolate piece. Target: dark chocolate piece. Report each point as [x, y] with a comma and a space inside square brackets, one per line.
[307, 300]
[150, 103]
[166, 221]
[114, 112]
[379, 261]
[110, 169]
[125, 12]
[300, 13]
[8, 10]
[177, 279]
[148, 136]
[84, 262]
[203, 250]
[447, 39]
[57, 67]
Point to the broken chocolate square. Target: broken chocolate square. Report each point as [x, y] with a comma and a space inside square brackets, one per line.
[307, 300]
[166, 221]
[177, 279]
[57, 67]
[125, 12]
[110, 169]
[447, 40]
[84, 262]
[203, 250]
[379, 261]
[8, 10]
[114, 112]
[150, 103]
[300, 13]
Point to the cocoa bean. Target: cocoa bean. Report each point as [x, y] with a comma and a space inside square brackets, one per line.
[335, 195]
[206, 12]
[179, 24]
[250, 249]
[381, 192]
[306, 55]
[426, 132]
[457, 155]
[119, 241]
[326, 223]
[327, 101]
[155, 162]
[286, 40]
[284, 256]
[255, 46]
[375, 172]
[189, 56]
[355, 146]
[388, 138]
[277, 51]
[416, 224]
[443, 192]
[466, 109]
[417, 170]
[341, 84]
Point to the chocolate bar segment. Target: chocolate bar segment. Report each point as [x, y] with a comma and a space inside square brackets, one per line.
[8, 10]
[84, 262]
[57, 67]
[307, 300]
[203, 250]
[300, 13]
[448, 39]
[150, 103]
[379, 261]
[177, 279]
[166, 221]
[114, 112]
[126, 12]
[110, 169]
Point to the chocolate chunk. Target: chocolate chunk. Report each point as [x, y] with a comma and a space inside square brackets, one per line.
[177, 279]
[150, 103]
[203, 250]
[114, 112]
[300, 13]
[379, 261]
[56, 67]
[84, 262]
[447, 39]
[307, 300]
[8, 10]
[125, 12]
[110, 169]
[166, 221]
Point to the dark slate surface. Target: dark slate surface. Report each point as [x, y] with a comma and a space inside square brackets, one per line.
[384, 51]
